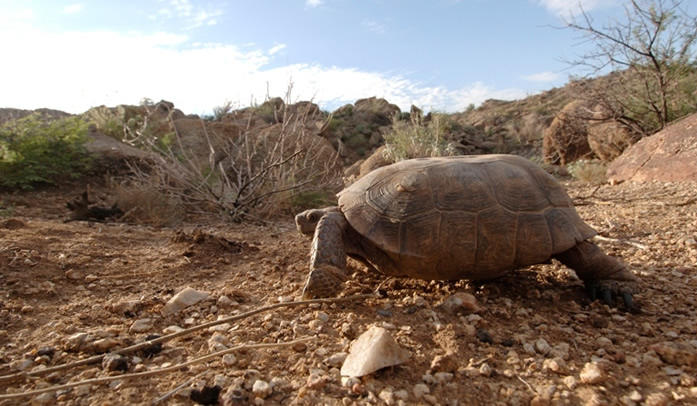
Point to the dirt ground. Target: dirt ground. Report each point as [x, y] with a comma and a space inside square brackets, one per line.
[536, 340]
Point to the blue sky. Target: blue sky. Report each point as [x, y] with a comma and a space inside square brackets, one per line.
[438, 54]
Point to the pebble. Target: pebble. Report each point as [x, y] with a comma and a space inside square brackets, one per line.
[373, 350]
[570, 382]
[224, 301]
[461, 301]
[485, 370]
[656, 399]
[555, 365]
[115, 362]
[420, 389]
[185, 298]
[47, 398]
[322, 316]
[105, 345]
[542, 346]
[560, 350]
[261, 389]
[336, 360]
[443, 377]
[218, 342]
[141, 326]
[74, 274]
[592, 374]
[676, 353]
[635, 396]
[76, 341]
[604, 342]
[387, 396]
[229, 360]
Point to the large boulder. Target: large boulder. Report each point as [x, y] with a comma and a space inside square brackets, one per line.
[670, 155]
[609, 139]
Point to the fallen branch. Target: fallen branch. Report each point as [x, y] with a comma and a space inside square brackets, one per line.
[98, 358]
[628, 242]
[153, 372]
[175, 390]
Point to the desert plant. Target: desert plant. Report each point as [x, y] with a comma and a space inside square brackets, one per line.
[33, 151]
[220, 111]
[412, 139]
[566, 138]
[144, 204]
[589, 171]
[652, 52]
[255, 174]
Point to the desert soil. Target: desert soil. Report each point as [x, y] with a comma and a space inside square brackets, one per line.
[69, 291]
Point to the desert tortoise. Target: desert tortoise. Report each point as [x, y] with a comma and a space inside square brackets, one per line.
[464, 217]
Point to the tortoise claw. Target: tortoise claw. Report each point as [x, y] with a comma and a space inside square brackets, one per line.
[609, 292]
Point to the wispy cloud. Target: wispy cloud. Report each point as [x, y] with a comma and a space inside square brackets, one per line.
[72, 8]
[194, 76]
[543, 77]
[276, 49]
[570, 8]
[374, 26]
[193, 16]
[313, 3]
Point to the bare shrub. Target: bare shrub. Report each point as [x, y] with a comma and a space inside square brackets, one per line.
[415, 139]
[256, 173]
[609, 139]
[589, 171]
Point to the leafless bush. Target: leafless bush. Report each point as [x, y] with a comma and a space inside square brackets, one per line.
[257, 173]
[144, 204]
[566, 138]
[589, 171]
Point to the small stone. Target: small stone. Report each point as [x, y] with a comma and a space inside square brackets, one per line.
[484, 336]
[316, 380]
[105, 345]
[656, 399]
[560, 350]
[676, 353]
[74, 274]
[336, 360]
[443, 377]
[635, 396]
[387, 396]
[604, 342]
[542, 346]
[555, 365]
[687, 380]
[261, 389]
[27, 309]
[373, 350]
[670, 371]
[115, 362]
[570, 382]
[218, 342]
[592, 374]
[141, 326]
[229, 360]
[461, 301]
[185, 298]
[48, 398]
[322, 316]
[77, 341]
[401, 394]
[529, 348]
[485, 370]
[420, 389]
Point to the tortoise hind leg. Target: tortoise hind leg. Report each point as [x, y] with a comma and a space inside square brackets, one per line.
[603, 275]
[327, 258]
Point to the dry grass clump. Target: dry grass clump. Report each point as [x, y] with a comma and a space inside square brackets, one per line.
[415, 139]
[144, 204]
[588, 171]
[566, 138]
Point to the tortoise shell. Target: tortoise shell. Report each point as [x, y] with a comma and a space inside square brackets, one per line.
[458, 217]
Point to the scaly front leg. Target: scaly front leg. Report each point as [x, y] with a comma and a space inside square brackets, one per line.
[327, 258]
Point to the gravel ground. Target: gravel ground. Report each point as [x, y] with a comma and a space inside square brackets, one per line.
[70, 291]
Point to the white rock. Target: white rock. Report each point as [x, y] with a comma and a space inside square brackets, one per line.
[373, 350]
[443, 377]
[461, 301]
[183, 299]
[592, 373]
[261, 389]
[387, 396]
[141, 326]
[401, 394]
[420, 389]
[172, 329]
[229, 360]
[570, 382]
[45, 399]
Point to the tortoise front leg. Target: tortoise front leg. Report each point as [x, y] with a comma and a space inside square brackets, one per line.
[603, 275]
[327, 258]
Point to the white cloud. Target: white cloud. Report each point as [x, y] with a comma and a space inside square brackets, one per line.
[570, 8]
[194, 77]
[72, 8]
[543, 77]
[313, 3]
[192, 16]
[276, 49]
[374, 26]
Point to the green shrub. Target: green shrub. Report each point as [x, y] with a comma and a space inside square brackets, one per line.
[589, 171]
[408, 139]
[35, 152]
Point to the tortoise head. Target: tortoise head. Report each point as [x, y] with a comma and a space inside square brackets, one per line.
[306, 222]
